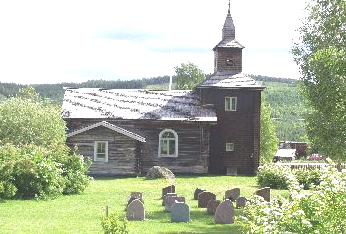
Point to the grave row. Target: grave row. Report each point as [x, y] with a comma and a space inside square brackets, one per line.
[223, 211]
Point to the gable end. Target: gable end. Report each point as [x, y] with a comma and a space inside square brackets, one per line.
[110, 126]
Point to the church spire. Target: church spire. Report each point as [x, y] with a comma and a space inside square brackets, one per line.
[228, 31]
[229, 6]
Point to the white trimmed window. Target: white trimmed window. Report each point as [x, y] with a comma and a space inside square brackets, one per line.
[101, 151]
[230, 103]
[229, 146]
[168, 143]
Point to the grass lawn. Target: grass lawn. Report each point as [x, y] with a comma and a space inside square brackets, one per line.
[82, 213]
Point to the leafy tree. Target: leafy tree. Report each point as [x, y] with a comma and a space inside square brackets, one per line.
[27, 120]
[188, 75]
[34, 158]
[321, 53]
[269, 140]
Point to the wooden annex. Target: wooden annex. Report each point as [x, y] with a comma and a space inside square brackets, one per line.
[214, 128]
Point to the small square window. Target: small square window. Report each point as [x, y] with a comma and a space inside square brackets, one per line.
[230, 103]
[229, 146]
[101, 151]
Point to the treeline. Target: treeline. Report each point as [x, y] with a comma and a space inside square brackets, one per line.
[55, 92]
[288, 107]
[282, 94]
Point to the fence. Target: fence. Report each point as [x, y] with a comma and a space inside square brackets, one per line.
[307, 166]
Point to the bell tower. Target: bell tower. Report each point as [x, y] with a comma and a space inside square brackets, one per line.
[228, 52]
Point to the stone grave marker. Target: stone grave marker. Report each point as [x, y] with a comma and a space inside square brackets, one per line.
[240, 202]
[204, 198]
[224, 213]
[212, 205]
[180, 212]
[265, 193]
[135, 211]
[138, 195]
[232, 194]
[168, 189]
[171, 200]
[197, 191]
[132, 199]
[166, 196]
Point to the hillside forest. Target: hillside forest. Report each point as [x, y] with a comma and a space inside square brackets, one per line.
[287, 104]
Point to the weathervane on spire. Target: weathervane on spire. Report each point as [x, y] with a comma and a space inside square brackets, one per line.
[229, 6]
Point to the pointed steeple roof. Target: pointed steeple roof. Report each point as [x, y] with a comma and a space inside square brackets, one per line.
[228, 33]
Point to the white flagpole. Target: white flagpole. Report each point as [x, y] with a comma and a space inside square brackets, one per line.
[170, 76]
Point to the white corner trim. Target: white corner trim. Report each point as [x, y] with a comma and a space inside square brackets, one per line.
[110, 126]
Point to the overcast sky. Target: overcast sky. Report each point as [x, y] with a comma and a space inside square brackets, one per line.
[58, 41]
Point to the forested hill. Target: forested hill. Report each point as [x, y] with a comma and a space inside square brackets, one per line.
[282, 95]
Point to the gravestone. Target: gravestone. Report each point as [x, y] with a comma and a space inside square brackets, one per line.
[168, 189]
[212, 205]
[197, 191]
[232, 194]
[171, 200]
[180, 212]
[135, 211]
[224, 213]
[138, 195]
[166, 196]
[132, 199]
[204, 198]
[265, 193]
[240, 202]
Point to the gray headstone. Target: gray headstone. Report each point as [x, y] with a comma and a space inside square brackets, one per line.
[232, 194]
[240, 202]
[168, 189]
[166, 196]
[135, 211]
[180, 212]
[138, 195]
[224, 213]
[197, 191]
[171, 200]
[132, 199]
[212, 205]
[265, 193]
[204, 198]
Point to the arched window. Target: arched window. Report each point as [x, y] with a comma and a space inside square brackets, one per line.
[168, 143]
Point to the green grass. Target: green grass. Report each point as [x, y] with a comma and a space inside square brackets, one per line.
[82, 213]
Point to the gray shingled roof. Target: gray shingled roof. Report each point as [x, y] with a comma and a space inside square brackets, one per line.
[135, 104]
[232, 80]
[229, 44]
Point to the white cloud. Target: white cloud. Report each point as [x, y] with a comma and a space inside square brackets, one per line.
[55, 41]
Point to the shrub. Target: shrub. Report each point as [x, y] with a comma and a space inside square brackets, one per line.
[7, 189]
[308, 178]
[32, 171]
[319, 211]
[75, 172]
[34, 159]
[113, 225]
[273, 176]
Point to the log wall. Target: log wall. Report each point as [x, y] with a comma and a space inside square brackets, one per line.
[128, 156]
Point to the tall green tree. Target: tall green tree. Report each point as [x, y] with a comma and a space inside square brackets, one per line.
[188, 75]
[269, 141]
[26, 119]
[34, 158]
[321, 54]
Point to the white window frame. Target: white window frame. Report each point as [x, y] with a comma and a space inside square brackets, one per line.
[229, 103]
[175, 155]
[229, 146]
[96, 159]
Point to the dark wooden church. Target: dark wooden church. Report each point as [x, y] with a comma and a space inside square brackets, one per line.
[214, 128]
